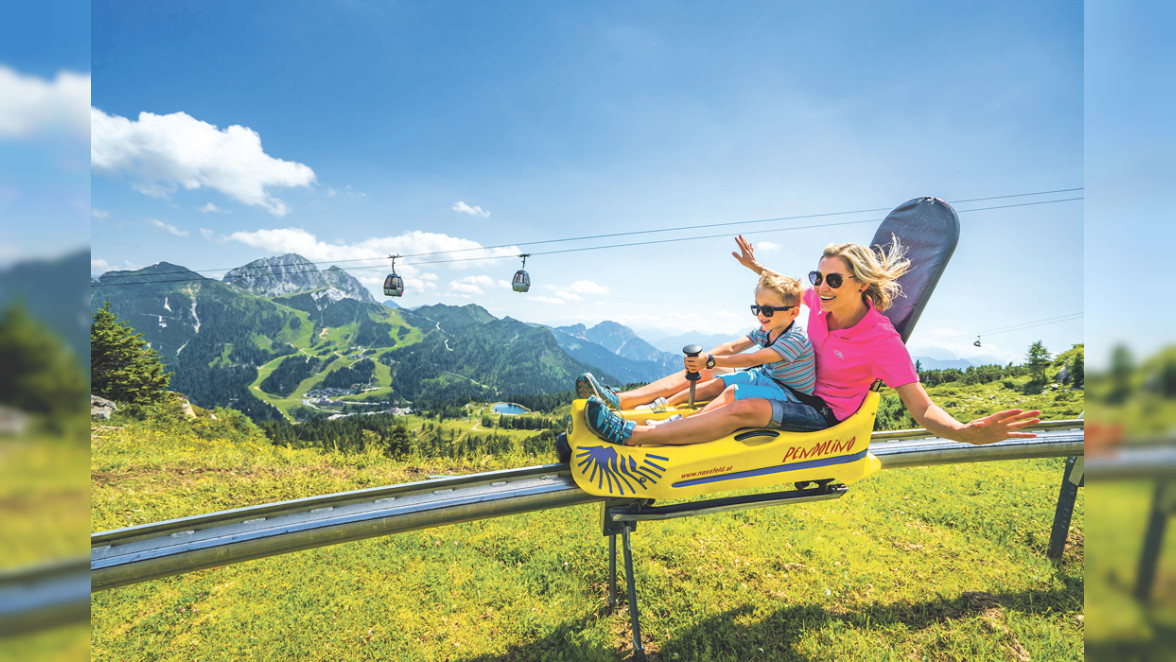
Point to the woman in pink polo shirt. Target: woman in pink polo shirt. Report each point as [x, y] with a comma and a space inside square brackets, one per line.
[854, 344]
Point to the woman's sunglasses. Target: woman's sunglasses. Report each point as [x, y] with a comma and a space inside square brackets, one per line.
[768, 311]
[834, 280]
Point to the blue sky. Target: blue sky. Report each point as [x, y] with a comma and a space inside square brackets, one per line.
[1130, 87]
[44, 129]
[224, 132]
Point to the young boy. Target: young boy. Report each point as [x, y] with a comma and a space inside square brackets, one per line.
[765, 395]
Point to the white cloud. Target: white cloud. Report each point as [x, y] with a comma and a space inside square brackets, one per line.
[466, 285]
[206, 233]
[213, 209]
[154, 222]
[767, 246]
[100, 266]
[429, 247]
[472, 211]
[161, 153]
[419, 284]
[99, 214]
[588, 287]
[331, 192]
[31, 106]
[474, 284]
[552, 300]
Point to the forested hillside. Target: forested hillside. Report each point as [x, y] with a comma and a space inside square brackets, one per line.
[310, 353]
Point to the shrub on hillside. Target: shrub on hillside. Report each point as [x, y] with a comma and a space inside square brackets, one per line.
[892, 414]
[227, 424]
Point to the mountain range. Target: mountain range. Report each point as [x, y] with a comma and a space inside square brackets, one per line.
[53, 291]
[279, 337]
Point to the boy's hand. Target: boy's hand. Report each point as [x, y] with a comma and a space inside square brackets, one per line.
[696, 363]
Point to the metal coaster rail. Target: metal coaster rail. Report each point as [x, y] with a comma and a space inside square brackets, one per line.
[150, 551]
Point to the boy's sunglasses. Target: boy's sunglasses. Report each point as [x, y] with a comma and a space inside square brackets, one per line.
[834, 280]
[768, 311]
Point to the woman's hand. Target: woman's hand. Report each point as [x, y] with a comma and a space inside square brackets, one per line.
[746, 255]
[988, 430]
[1000, 426]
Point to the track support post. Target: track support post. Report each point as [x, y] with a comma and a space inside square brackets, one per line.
[1072, 479]
[611, 528]
[1163, 507]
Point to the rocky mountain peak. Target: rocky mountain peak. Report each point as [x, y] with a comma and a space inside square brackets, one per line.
[291, 273]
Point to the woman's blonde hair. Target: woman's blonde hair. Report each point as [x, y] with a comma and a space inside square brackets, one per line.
[789, 289]
[879, 268]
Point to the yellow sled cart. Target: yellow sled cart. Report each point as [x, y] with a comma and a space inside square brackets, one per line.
[747, 458]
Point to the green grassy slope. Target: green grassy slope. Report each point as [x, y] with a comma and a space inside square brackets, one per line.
[941, 563]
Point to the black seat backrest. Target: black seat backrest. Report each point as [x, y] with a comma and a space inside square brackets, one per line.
[929, 229]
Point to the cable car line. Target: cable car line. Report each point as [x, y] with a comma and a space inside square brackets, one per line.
[635, 232]
[1016, 195]
[1021, 326]
[655, 231]
[108, 279]
[729, 223]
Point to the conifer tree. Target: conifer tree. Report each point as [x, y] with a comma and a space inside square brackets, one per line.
[1037, 360]
[123, 367]
[38, 372]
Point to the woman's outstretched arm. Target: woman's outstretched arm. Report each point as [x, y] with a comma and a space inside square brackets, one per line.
[987, 430]
[746, 257]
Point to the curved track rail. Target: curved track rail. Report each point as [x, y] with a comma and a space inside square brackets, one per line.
[45, 596]
[150, 551]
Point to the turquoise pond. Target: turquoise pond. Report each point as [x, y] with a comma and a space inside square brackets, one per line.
[508, 409]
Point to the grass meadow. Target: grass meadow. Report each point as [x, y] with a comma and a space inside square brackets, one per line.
[44, 516]
[1122, 627]
[931, 563]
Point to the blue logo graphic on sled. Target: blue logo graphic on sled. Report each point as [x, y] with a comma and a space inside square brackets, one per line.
[606, 464]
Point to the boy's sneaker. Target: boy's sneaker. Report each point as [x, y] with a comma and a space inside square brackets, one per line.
[584, 386]
[607, 424]
[657, 406]
[654, 423]
[588, 386]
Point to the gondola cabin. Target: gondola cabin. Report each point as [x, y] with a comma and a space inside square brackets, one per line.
[522, 280]
[393, 284]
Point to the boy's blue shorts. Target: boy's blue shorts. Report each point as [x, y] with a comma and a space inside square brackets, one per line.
[787, 412]
[755, 384]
